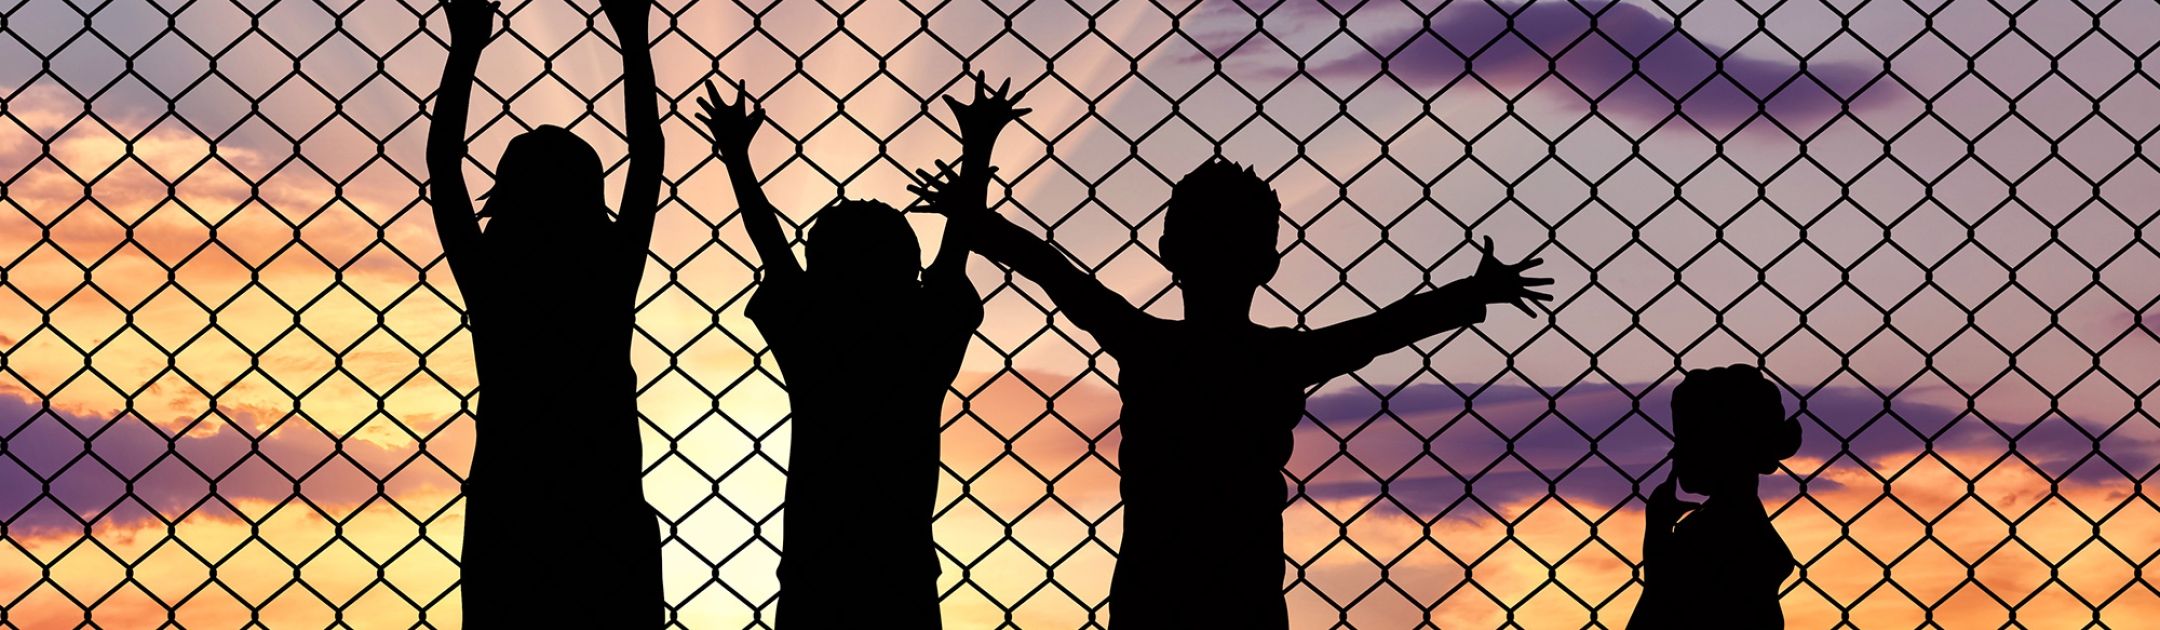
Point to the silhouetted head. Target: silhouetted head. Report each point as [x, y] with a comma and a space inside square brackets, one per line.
[548, 176]
[1220, 228]
[1729, 425]
[863, 242]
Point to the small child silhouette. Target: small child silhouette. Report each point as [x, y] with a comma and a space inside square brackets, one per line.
[1721, 565]
[869, 352]
[550, 291]
[1210, 401]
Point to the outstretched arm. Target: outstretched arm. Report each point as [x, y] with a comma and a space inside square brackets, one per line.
[641, 119]
[732, 125]
[1335, 350]
[471, 24]
[1092, 306]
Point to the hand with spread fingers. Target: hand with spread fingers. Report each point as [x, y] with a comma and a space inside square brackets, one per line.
[472, 23]
[1498, 282]
[944, 192]
[732, 125]
[983, 119]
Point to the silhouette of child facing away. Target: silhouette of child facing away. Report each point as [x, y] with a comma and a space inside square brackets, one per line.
[1210, 401]
[550, 288]
[868, 351]
[1721, 565]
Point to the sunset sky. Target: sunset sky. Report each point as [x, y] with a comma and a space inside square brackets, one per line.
[225, 310]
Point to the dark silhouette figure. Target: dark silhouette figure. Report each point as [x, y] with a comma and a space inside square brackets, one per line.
[557, 531]
[868, 350]
[1210, 401]
[1718, 564]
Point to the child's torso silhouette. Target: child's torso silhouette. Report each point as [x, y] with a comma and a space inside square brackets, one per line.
[866, 378]
[558, 428]
[1725, 569]
[1207, 425]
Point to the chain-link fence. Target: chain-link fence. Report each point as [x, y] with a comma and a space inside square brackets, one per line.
[238, 391]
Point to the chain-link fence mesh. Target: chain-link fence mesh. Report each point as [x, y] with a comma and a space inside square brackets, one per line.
[238, 391]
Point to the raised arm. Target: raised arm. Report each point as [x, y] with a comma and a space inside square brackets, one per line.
[472, 22]
[1335, 350]
[966, 193]
[959, 196]
[1660, 514]
[641, 120]
[732, 126]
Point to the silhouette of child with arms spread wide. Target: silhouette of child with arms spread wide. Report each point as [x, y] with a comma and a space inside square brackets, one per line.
[550, 289]
[868, 351]
[1210, 401]
[1721, 565]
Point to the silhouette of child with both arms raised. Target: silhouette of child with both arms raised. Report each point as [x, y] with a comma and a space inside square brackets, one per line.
[550, 288]
[868, 351]
[1718, 564]
[1210, 400]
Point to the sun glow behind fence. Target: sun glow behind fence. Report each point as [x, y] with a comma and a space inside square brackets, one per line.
[236, 381]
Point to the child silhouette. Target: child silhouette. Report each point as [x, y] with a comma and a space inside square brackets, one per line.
[1210, 400]
[868, 351]
[1721, 565]
[550, 289]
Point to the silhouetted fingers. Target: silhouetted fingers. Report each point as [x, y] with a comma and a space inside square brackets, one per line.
[1540, 296]
[1536, 282]
[1017, 113]
[1527, 264]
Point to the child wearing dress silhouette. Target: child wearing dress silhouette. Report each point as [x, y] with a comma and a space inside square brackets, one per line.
[550, 290]
[869, 342]
[1210, 400]
[1718, 564]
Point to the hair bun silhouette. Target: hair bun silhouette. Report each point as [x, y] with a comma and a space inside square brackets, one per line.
[1736, 407]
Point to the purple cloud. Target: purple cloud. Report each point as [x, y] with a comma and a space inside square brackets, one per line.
[1529, 448]
[1629, 61]
[46, 453]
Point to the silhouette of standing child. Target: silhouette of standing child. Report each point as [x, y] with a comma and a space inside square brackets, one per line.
[1210, 401]
[868, 351]
[1718, 564]
[557, 531]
